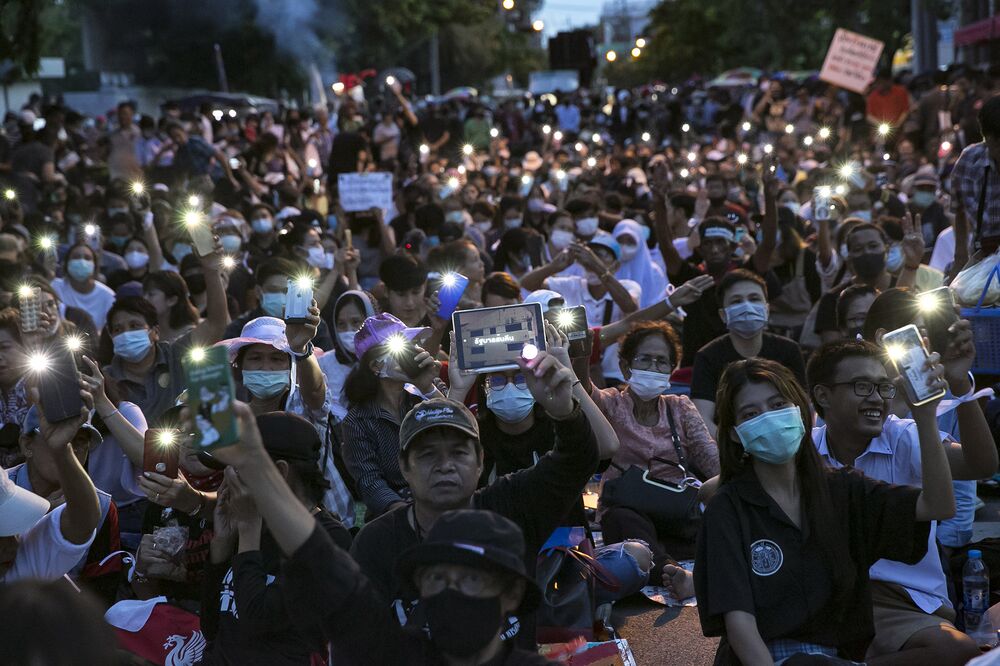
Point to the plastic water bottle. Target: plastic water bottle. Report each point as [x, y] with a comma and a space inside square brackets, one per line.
[976, 583]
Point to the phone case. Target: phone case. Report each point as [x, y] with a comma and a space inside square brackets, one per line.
[909, 361]
[31, 305]
[210, 397]
[59, 385]
[451, 295]
[158, 456]
[821, 204]
[201, 236]
[297, 302]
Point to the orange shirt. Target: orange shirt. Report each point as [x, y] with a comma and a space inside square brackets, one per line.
[890, 107]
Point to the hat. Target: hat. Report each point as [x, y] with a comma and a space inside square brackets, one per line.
[532, 161]
[259, 331]
[378, 329]
[542, 297]
[288, 436]
[286, 212]
[474, 538]
[925, 178]
[436, 413]
[20, 509]
[607, 241]
[31, 425]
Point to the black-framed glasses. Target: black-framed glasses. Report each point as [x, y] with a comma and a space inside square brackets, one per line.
[647, 361]
[863, 389]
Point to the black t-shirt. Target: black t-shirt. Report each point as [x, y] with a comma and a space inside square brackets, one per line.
[703, 324]
[344, 154]
[752, 558]
[712, 359]
[786, 273]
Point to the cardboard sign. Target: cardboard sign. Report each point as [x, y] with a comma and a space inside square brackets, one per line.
[363, 191]
[851, 60]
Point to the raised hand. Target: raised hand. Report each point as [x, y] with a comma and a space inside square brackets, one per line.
[691, 291]
[300, 335]
[550, 382]
[913, 241]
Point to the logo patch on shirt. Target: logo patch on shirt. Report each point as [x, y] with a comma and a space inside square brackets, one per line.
[765, 557]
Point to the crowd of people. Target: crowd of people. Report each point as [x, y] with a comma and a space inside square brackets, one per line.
[739, 254]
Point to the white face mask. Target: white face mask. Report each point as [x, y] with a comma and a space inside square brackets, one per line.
[586, 226]
[347, 340]
[647, 384]
[629, 252]
[513, 222]
[561, 239]
[483, 226]
[593, 279]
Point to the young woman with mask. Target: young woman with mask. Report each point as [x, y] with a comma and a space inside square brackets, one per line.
[79, 287]
[786, 543]
[509, 215]
[168, 293]
[137, 258]
[349, 313]
[561, 232]
[645, 422]
[637, 262]
[512, 254]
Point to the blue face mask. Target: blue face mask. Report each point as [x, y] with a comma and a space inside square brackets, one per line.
[894, 259]
[746, 319]
[510, 404]
[773, 437]
[456, 216]
[80, 269]
[433, 241]
[865, 215]
[132, 346]
[231, 243]
[180, 251]
[331, 222]
[119, 241]
[273, 304]
[266, 384]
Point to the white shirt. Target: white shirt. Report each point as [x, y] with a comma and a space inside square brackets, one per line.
[96, 303]
[44, 553]
[944, 249]
[335, 373]
[894, 457]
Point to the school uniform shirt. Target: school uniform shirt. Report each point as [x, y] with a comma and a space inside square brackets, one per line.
[894, 457]
[752, 558]
[712, 359]
[44, 553]
[96, 303]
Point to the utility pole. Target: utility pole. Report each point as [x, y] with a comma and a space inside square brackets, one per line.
[923, 26]
[220, 69]
[435, 64]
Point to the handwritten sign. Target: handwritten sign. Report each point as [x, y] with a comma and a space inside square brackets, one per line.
[851, 60]
[362, 191]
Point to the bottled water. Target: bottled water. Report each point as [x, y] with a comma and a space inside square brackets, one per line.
[976, 583]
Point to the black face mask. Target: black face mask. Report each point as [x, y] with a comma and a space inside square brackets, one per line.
[462, 625]
[195, 283]
[868, 266]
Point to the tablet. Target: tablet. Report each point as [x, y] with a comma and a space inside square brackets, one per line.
[492, 339]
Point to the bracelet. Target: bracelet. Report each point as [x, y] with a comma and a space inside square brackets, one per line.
[110, 414]
[201, 504]
[304, 355]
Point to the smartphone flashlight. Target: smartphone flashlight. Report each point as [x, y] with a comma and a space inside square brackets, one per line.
[807, 141]
[846, 171]
[39, 362]
[591, 162]
[558, 135]
[25, 291]
[746, 127]
[546, 129]
[685, 173]
[424, 149]
[74, 343]
[194, 201]
[453, 183]
[46, 243]
[789, 129]
[494, 132]
[741, 159]
[197, 354]
[692, 156]
[396, 343]
[9, 195]
[228, 263]
[768, 149]
[564, 318]
[895, 352]
[884, 129]
[685, 128]
[167, 438]
[137, 187]
[304, 282]
[595, 137]
[529, 351]
[467, 149]
[449, 280]
[928, 302]
[90, 229]
[646, 136]
[824, 132]
[390, 80]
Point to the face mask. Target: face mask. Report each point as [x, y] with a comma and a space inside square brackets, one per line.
[865, 215]
[456, 216]
[513, 222]
[629, 252]
[347, 340]
[894, 260]
[328, 261]
[793, 206]
[480, 622]
[773, 437]
[586, 226]
[316, 256]
[231, 244]
[647, 384]
[843, 251]
[196, 284]
[273, 304]
[331, 222]
[593, 279]
[80, 269]
[132, 345]
[868, 266]
[265, 384]
[432, 241]
[746, 319]
[510, 404]
[922, 199]
[484, 226]
[119, 241]
[117, 211]
[136, 260]
[262, 225]
[180, 251]
[561, 239]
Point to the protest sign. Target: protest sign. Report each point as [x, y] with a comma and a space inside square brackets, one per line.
[362, 191]
[851, 60]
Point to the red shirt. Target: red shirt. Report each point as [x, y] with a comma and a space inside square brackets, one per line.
[890, 107]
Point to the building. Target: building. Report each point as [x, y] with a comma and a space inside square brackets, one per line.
[977, 37]
[622, 21]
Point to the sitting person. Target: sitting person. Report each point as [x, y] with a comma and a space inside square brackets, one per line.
[786, 542]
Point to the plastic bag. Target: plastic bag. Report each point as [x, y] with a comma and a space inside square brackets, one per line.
[168, 543]
[969, 283]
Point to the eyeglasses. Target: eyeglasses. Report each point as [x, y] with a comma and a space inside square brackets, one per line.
[645, 362]
[863, 389]
[498, 382]
[433, 580]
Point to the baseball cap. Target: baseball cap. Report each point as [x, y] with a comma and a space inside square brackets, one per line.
[288, 436]
[378, 329]
[436, 413]
[606, 241]
[543, 297]
[20, 509]
[259, 331]
[474, 538]
[31, 425]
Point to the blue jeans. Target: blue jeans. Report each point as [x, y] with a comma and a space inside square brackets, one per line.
[623, 566]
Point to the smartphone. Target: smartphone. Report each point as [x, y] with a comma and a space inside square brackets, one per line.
[527, 182]
[160, 451]
[30, 301]
[571, 322]
[492, 339]
[821, 203]
[59, 384]
[348, 238]
[406, 358]
[906, 350]
[298, 300]
[234, 163]
[937, 307]
[452, 286]
[211, 392]
[201, 236]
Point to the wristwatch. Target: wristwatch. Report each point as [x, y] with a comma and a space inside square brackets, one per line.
[304, 355]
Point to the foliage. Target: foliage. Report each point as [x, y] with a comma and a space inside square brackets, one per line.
[20, 34]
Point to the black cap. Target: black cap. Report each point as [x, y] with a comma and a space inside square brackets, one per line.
[474, 538]
[288, 436]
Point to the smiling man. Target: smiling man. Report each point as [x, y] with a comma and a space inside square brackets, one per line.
[853, 393]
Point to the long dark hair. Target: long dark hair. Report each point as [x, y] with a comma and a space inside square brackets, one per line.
[183, 312]
[819, 511]
[361, 386]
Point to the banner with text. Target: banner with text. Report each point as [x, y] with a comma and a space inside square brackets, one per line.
[851, 60]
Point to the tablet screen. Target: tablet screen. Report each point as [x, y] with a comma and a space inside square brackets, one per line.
[492, 339]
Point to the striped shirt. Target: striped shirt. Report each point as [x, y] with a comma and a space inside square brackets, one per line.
[967, 182]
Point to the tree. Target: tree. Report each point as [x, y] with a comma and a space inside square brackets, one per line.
[20, 34]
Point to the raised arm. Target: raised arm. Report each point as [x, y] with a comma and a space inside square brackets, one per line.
[312, 381]
[210, 330]
[590, 261]
[536, 278]
[661, 209]
[129, 438]
[769, 225]
[687, 293]
[937, 497]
